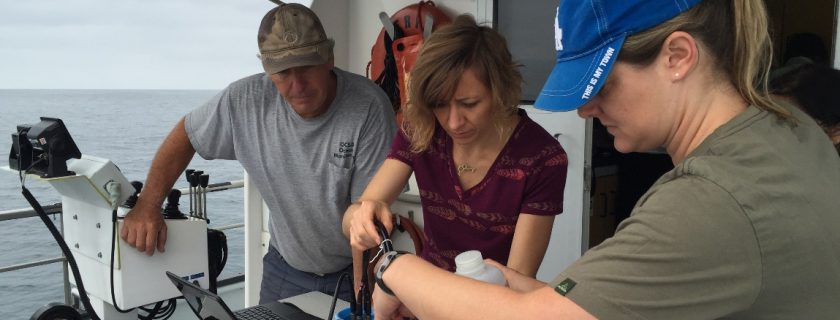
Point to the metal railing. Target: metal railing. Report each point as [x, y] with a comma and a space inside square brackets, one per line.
[55, 208]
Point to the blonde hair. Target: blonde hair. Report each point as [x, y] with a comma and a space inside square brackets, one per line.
[735, 32]
[449, 52]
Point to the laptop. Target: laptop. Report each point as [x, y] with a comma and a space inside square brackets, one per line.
[208, 306]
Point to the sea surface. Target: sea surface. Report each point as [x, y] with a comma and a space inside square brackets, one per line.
[125, 126]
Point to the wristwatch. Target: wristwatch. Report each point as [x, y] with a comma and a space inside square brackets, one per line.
[386, 261]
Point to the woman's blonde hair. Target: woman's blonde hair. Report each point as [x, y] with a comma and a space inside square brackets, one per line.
[735, 32]
[446, 55]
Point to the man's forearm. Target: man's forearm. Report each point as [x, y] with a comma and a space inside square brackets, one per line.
[171, 159]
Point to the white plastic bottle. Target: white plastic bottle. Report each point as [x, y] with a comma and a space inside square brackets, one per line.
[471, 264]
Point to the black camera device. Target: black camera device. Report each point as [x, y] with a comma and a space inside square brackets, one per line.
[43, 148]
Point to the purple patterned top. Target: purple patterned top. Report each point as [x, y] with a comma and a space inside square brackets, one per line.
[528, 176]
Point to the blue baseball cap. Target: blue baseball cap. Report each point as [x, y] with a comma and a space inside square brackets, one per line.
[588, 35]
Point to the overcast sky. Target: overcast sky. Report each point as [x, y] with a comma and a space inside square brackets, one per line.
[128, 44]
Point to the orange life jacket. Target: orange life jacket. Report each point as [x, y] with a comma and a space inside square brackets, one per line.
[397, 46]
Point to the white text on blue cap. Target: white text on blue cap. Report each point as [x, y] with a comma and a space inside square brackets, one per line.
[599, 71]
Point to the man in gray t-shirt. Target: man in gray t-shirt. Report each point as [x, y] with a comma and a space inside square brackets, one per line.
[309, 135]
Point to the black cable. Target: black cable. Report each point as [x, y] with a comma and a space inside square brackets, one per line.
[343, 276]
[166, 310]
[113, 248]
[169, 310]
[224, 256]
[217, 252]
[354, 306]
[151, 313]
[64, 249]
[364, 291]
[222, 242]
[387, 246]
[174, 306]
[159, 308]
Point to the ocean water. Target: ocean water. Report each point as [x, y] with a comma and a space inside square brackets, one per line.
[125, 126]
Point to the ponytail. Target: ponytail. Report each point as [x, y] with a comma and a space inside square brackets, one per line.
[753, 55]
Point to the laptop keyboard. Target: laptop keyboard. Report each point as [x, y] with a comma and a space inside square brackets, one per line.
[257, 313]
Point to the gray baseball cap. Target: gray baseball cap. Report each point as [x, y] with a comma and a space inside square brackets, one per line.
[291, 35]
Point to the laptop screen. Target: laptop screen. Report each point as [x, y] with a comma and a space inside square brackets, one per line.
[205, 304]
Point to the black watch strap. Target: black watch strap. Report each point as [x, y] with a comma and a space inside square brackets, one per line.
[386, 261]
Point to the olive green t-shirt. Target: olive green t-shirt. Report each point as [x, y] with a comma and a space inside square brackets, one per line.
[746, 227]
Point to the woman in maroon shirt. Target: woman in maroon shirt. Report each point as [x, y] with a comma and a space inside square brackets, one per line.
[490, 178]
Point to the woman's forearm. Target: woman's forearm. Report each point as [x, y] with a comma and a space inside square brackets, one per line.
[433, 293]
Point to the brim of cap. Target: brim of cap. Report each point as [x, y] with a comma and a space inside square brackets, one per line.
[318, 54]
[573, 82]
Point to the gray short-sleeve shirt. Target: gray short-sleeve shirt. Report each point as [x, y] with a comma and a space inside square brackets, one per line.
[307, 170]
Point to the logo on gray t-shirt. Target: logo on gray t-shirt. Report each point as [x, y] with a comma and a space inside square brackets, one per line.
[344, 150]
